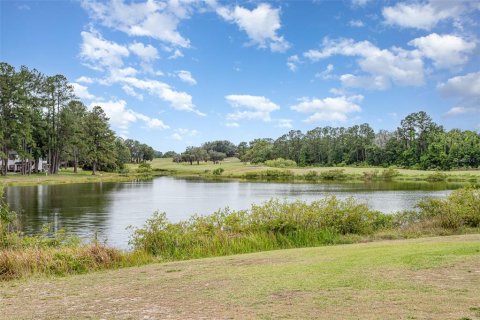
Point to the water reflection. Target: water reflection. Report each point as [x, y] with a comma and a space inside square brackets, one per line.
[108, 208]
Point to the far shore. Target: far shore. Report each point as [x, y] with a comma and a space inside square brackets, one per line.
[236, 170]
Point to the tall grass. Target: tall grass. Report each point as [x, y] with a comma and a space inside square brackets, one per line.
[279, 224]
[274, 224]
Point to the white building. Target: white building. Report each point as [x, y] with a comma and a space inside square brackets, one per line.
[15, 164]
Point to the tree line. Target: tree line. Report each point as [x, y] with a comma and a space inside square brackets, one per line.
[41, 118]
[418, 143]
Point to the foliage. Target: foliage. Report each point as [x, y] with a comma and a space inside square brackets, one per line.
[281, 163]
[437, 176]
[218, 171]
[274, 224]
[144, 168]
[335, 174]
[40, 118]
[460, 209]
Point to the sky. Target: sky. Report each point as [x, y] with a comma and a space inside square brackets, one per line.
[175, 73]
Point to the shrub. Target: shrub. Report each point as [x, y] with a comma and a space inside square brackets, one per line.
[437, 176]
[335, 174]
[273, 224]
[311, 175]
[218, 171]
[370, 175]
[390, 173]
[144, 168]
[281, 163]
[460, 209]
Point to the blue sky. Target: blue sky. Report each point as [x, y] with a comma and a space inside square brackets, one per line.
[178, 73]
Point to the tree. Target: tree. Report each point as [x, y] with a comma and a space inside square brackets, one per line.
[100, 140]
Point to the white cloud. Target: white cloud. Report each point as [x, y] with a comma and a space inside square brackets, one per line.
[82, 91]
[182, 133]
[147, 53]
[155, 19]
[401, 66]
[232, 125]
[284, 123]
[292, 63]
[366, 82]
[425, 15]
[252, 107]
[179, 100]
[328, 109]
[176, 54]
[466, 89]
[360, 2]
[462, 86]
[261, 25]
[325, 74]
[186, 76]
[446, 51]
[356, 23]
[455, 111]
[131, 92]
[102, 53]
[84, 79]
[121, 117]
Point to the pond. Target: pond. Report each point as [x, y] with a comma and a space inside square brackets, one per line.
[106, 209]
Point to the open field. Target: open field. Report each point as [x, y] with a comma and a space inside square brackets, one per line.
[234, 168]
[428, 278]
[63, 177]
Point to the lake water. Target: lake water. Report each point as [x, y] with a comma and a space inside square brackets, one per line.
[108, 208]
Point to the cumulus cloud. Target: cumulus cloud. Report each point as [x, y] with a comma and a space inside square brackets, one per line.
[261, 24]
[108, 56]
[395, 65]
[325, 74]
[446, 51]
[131, 92]
[466, 89]
[82, 91]
[424, 15]
[356, 23]
[366, 82]
[328, 109]
[251, 107]
[284, 123]
[182, 133]
[232, 125]
[155, 19]
[292, 63]
[146, 53]
[186, 76]
[121, 117]
[100, 52]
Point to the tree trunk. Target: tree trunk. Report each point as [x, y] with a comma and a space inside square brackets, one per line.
[75, 164]
[94, 168]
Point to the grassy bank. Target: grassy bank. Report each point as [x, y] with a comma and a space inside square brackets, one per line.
[272, 225]
[233, 168]
[428, 278]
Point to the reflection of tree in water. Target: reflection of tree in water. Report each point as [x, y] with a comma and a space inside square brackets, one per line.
[79, 208]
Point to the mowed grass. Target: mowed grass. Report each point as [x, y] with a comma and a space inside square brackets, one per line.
[428, 278]
[235, 168]
[64, 176]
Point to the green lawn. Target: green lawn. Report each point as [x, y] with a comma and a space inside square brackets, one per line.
[235, 168]
[427, 278]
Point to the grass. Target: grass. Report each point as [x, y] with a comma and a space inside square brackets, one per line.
[428, 278]
[272, 225]
[235, 169]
